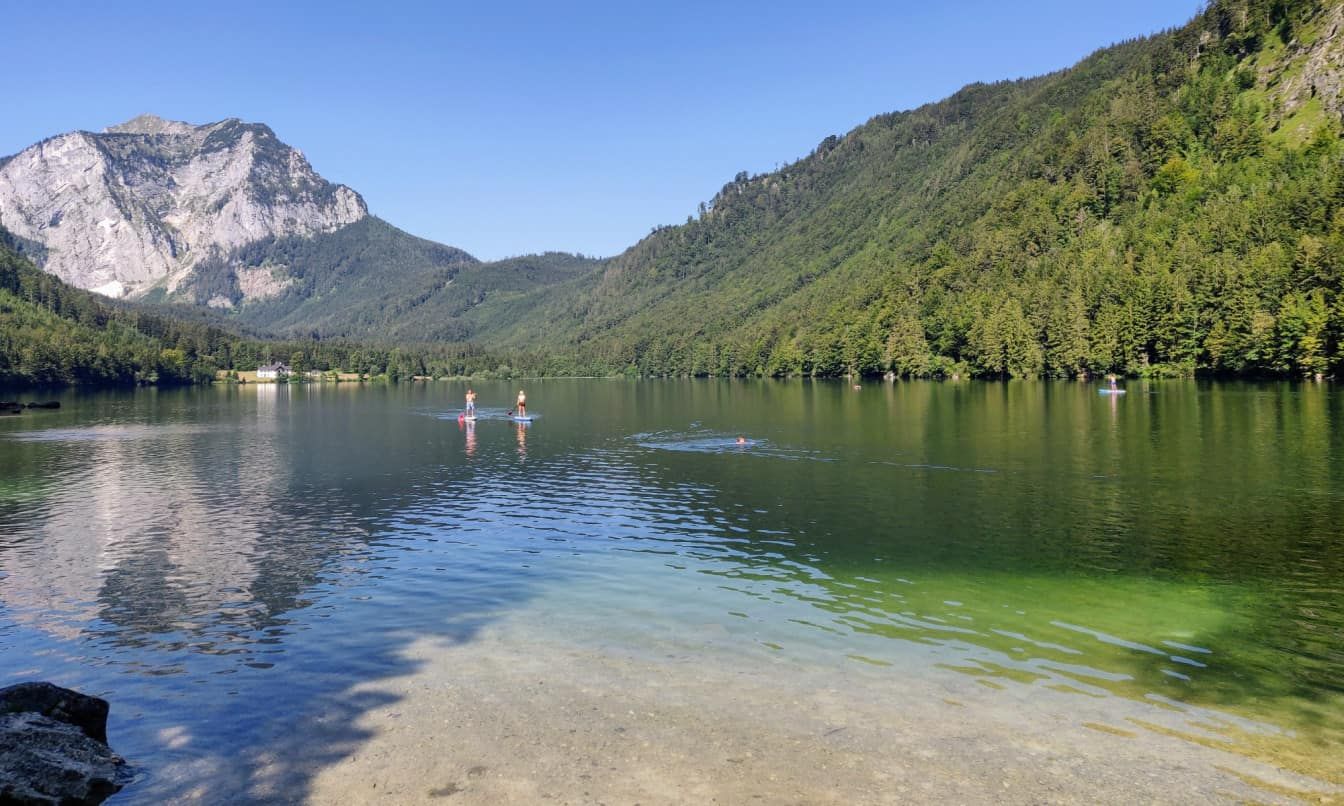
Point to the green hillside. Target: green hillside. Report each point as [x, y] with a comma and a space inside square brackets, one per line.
[52, 333]
[504, 288]
[1168, 205]
[337, 282]
[374, 282]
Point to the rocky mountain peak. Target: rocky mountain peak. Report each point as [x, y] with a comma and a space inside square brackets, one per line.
[151, 124]
[141, 205]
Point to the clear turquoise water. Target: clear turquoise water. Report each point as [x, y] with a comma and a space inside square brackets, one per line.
[225, 563]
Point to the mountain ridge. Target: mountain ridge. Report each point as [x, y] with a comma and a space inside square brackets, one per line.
[1171, 204]
[345, 275]
[1019, 228]
[137, 206]
[151, 124]
[52, 333]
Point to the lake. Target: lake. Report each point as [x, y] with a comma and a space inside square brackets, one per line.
[278, 588]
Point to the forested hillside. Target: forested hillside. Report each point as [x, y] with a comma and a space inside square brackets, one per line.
[1169, 205]
[52, 333]
[367, 281]
[372, 282]
[335, 283]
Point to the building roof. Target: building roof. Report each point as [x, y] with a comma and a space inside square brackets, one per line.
[278, 366]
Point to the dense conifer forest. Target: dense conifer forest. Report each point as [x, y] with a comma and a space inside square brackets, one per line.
[52, 334]
[1172, 205]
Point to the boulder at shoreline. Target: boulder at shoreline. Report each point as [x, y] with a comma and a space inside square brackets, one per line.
[53, 747]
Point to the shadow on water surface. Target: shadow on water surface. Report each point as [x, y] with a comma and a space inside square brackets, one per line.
[227, 574]
[237, 574]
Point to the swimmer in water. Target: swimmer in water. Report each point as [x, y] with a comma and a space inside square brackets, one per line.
[741, 440]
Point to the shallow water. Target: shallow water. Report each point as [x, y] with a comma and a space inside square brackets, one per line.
[224, 564]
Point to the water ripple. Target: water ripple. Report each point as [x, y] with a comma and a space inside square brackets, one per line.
[283, 549]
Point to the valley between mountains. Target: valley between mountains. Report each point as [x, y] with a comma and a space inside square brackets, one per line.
[1170, 205]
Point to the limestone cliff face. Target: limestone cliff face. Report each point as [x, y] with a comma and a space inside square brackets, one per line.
[138, 206]
[1320, 67]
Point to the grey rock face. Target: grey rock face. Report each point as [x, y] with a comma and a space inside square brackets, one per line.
[1322, 76]
[1309, 70]
[53, 748]
[89, 714]
[43, 761]
[139, 205]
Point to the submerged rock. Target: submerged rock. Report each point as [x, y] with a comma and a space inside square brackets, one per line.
[53, 747]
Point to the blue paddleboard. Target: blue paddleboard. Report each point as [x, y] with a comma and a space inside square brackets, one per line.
[518, 419]
[1110, 391]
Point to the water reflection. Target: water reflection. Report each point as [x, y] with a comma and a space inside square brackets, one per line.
[278, 545]
[132, 550]
[469, 428]
[1083, 554]
[222, 555]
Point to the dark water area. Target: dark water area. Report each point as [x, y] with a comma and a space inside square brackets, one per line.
[226, 564]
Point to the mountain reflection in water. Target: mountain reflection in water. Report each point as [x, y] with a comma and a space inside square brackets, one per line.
[225, 564]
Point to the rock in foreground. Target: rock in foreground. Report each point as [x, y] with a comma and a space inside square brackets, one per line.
[53, 747]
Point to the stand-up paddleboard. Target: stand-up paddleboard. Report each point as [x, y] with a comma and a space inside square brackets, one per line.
[1110, 391]
[470, 418]
[521, 418]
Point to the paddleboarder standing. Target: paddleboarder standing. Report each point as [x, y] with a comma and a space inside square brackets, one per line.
[522, 403]
[471, 403]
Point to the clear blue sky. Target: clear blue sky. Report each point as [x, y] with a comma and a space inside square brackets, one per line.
[506, 128]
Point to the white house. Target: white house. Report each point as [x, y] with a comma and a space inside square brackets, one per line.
[272, 372]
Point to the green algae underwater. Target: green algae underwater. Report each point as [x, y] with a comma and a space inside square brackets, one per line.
[1183, 547]
[1179, 549]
